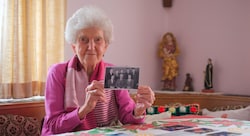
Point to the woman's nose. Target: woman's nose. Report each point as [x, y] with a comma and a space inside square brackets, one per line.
[91, 45]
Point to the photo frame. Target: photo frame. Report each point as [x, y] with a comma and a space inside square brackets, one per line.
[121, 77]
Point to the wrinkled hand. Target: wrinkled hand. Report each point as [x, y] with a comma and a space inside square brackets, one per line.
[145, 97]
[94, 93]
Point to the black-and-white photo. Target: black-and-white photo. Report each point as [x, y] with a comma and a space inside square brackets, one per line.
[121, 77]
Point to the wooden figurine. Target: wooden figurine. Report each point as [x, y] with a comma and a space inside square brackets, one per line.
[168, 51]
[188, 83]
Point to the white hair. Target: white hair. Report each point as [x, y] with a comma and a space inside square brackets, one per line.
[86, 17]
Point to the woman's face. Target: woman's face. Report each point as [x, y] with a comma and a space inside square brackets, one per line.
[90, 46]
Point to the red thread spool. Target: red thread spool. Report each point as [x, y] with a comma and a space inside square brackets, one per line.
[161, 109]
[193, 109]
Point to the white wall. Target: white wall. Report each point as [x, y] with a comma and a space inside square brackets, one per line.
[218, 29]
[138, 26]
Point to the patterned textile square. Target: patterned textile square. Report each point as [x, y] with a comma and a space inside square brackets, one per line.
[241, 114]
[17, 125]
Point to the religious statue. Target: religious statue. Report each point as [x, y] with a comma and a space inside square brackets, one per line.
[188, 83]
[168, 51]
[208, 77]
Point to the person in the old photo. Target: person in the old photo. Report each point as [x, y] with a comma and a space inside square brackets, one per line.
[135, 77]
[110, 73]
[130, 82]
[121, 82]
[117, 74]
[127, 72]
[112, 82]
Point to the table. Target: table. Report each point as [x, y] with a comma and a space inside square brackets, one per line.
[190, 126]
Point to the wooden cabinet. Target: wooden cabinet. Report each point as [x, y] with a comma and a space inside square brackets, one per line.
[32, 109]
[206, 100]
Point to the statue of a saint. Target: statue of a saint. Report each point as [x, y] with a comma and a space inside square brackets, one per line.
[188, 83]
[168, 51]
[208, 77]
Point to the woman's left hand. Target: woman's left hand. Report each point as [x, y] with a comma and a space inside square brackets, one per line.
[144, 98]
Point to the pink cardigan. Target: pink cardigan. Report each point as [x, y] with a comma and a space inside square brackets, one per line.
[61, 120]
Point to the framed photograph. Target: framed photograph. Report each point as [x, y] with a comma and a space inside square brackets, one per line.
[121, 77]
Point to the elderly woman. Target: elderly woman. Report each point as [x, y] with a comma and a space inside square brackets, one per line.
[75, 98]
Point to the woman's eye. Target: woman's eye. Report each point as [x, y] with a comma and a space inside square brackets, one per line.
[98, 39]
[84, 40]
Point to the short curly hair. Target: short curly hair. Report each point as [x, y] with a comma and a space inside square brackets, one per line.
[87, 17]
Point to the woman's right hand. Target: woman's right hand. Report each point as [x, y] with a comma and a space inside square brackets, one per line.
[94, 93]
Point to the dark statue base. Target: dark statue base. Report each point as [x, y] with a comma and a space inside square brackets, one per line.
[208, 91]
[188, 89]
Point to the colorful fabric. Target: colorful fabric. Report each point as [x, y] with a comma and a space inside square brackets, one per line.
[197, 125]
